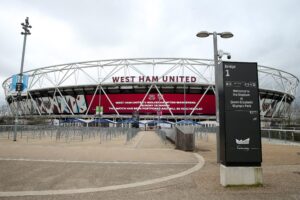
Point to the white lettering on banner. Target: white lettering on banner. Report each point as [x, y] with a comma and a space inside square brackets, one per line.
[155, 105]
[145, 79]
[155, 108]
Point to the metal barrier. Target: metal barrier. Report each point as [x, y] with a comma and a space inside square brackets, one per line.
[202, 132]
[77, 133]
[162, 134]
[281, 134]
[67, 133]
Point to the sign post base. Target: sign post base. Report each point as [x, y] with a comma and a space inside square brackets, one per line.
[240, 176]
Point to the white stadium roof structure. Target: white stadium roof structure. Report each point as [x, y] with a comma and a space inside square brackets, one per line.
[71, 90]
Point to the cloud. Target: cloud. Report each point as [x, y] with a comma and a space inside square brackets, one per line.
[73, 30]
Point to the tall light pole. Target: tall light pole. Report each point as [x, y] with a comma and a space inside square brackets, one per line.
[19, 86]
[203, 34]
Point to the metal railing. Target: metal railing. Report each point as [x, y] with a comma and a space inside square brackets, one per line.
[162, 134]
[67, 133]
[202, 132]
[281, 134]
[286, 135]
[73, 133]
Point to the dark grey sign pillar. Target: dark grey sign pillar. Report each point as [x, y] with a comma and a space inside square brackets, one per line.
[239, 124]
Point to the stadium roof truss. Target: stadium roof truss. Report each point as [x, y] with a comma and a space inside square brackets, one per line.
[100, 74]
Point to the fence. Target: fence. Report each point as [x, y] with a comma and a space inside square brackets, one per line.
[281, 134]
[162, 134]
[67, 133]
[202, 132]
[74, 133]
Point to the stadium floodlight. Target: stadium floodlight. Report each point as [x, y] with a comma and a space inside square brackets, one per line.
[26, 32]
[225, 35]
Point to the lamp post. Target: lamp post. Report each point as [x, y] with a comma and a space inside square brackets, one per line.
[19, 87]
[203, 34]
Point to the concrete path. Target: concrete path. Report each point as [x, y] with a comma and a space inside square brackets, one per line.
[41, 170]
[150, 140]
[281, 171]
[145, 147]
[106, 188]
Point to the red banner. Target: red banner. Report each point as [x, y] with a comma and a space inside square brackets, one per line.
[153, 104]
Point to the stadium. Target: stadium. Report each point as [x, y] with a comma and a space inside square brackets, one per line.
[169, 88]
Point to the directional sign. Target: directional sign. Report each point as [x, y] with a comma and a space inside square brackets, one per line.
[240, 138]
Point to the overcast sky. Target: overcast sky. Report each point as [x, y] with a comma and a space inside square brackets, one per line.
[267, 32]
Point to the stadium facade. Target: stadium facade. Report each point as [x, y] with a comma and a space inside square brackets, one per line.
[171, 88]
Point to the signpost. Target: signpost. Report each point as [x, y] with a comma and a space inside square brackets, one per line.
[239, 118]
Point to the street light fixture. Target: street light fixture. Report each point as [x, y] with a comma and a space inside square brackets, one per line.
[26, 32]
[226, 34]
[203, 34]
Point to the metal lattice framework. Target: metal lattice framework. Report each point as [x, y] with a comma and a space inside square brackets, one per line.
[100, 73]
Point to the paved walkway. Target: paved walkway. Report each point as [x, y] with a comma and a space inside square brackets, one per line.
[150, 140]
[93, 166]
[28, 170]
[145, 147]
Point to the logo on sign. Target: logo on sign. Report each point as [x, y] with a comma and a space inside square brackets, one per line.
[243, 144]
[246, 141]
[151, 97]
